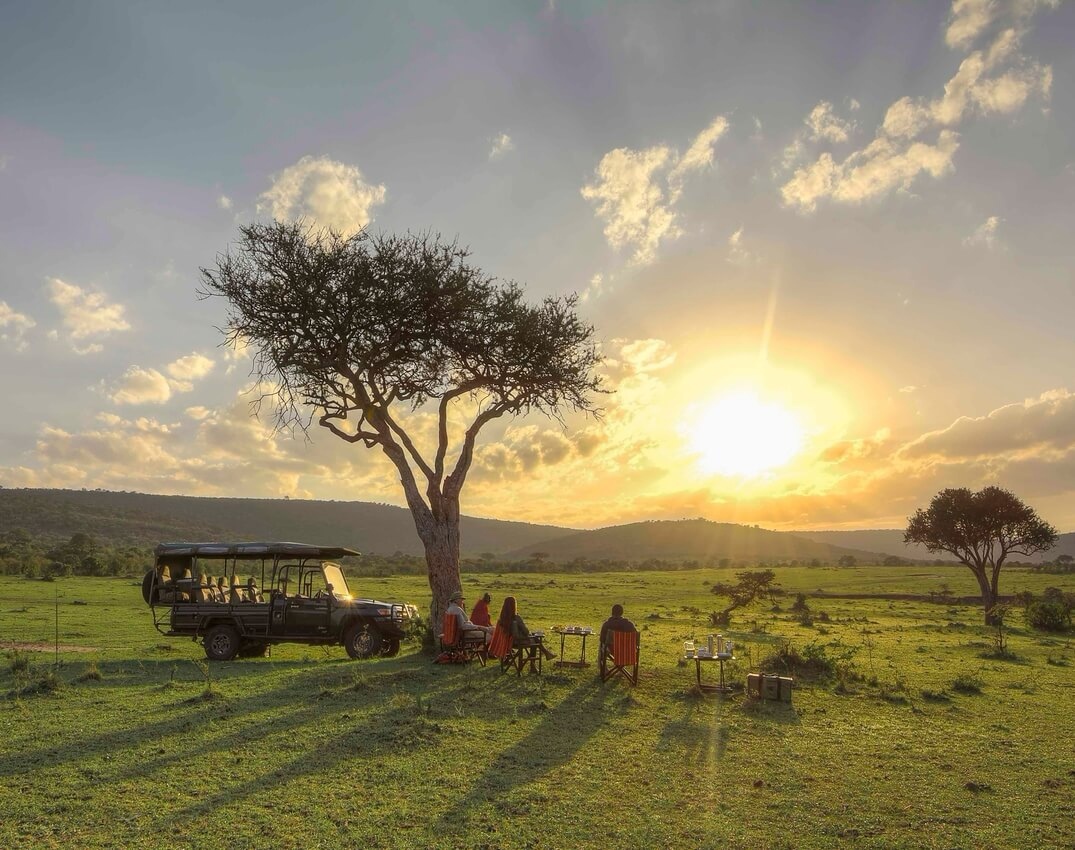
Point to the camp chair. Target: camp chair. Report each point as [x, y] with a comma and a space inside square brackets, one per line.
[624, 655]
[456, 646]
[513, 656]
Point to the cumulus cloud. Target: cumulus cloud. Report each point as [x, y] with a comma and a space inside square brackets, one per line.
[996, 79]
[13, 326]
[324, 192]
[141, 386]
[635, 191]
[985, 234]
[1045, 424]
[85, 315]
[224, 202]
[501, 145]
[825, 125]
[150, 386]
[188, 369]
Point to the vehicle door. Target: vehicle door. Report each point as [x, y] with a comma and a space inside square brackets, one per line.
[308, 611]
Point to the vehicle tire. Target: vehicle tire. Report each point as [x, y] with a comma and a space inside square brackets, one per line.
[253, 649]
[362, 641]
[390, 648]
[147, 586]
[221, 643]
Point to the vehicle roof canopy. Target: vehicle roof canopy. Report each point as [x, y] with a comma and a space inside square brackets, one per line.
[250, 551]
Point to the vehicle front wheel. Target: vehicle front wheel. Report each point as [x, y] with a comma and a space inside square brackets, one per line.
[221, 643]
[390, 648]
[362, 641]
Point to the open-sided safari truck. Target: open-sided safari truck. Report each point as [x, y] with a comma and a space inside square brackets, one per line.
[238, 598]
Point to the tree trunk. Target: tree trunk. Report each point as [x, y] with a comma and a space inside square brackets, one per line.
[441, 540]
[989, 597]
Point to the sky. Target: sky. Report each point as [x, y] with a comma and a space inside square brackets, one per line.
[826, 247]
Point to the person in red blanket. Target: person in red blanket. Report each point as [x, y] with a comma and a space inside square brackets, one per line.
[480, 615]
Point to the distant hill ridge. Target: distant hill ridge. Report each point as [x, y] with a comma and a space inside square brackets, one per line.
[687, 540]
[143, 519]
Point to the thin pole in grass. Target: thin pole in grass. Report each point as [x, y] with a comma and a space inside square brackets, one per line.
[57, 656]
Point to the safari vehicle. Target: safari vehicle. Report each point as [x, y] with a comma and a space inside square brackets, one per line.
[239, 598]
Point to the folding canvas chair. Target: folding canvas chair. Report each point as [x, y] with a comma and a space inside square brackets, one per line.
[511, 656]
[624, 660]
[457, 647]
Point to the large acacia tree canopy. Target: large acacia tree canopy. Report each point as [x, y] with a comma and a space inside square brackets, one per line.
[981, 529]
[353, 324]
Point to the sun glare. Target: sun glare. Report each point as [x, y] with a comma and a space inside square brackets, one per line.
[740, 434]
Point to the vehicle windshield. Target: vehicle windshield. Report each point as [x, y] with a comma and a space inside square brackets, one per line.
[334, 576]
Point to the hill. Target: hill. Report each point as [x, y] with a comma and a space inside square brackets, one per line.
[890, 542]
[695, 539]
[143, 519]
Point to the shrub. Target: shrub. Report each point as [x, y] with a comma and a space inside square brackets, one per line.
[967, 684]
[813, 662]
[1048, 616]
[800, 603]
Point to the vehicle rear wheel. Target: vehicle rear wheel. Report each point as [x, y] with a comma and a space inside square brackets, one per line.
[254, 649]
[390, 648]
[221, 643]
[147, 586]
[362, 641]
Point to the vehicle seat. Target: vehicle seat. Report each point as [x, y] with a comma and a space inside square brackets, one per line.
[165, 585]
[236, 596]
[206, 589]
[185, 587]
[253, 594]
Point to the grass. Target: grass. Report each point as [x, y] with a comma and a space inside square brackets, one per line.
[140, 744]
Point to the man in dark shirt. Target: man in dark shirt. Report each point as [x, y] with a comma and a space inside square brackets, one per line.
[616, 623]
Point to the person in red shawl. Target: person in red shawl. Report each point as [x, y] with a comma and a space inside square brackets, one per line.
[480, 615]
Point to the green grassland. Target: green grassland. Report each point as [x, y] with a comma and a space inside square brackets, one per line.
[922, 739]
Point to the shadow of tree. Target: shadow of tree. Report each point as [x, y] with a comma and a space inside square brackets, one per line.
[561, 732]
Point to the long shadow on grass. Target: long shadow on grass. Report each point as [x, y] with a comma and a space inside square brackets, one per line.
[554, 741]
[292, 704]
[402, 710]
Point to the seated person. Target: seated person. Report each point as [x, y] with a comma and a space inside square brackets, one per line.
[511, 622]
[468, 631]
[480, 615]
[616, 623]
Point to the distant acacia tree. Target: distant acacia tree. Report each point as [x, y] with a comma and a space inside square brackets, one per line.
[981, 529]
[348, 330]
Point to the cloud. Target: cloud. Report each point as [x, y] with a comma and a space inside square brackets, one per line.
[13, 326]
[825, 125]
[634, 191]
[910, 388]
[598, 286]
[699, 155]
[85, 315]
[141, 386]
[188, 369]
[4, 160]
[323, 191]
[985, 234]
[224, 202]
[150, 386]
[994, 80]
[1042, 425]
[500, 146]
[738, 255]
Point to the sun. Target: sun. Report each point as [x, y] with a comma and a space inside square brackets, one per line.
[743, 435]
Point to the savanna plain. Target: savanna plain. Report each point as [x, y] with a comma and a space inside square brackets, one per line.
[907, 727]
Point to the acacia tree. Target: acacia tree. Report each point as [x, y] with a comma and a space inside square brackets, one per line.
[348, 330]
[981, 529]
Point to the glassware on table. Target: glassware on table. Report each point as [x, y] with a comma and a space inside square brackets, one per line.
[688, 648]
